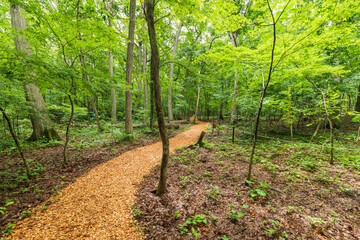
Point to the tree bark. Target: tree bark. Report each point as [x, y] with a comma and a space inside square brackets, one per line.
[271, 69]
[328, 118]
[155, 65]
[233, 108]
[187, 74]
[113, 90]
[108, 7]
[129, 69]
[221, 115]
[151, 105]
[316, 131]
[139, 82]
[146, 97]
[27, 168]
[171, 76]
[200, 140]
[197, 103]
[357, 104]
[85, 75]
[39, 117]
[67, 135]
[95, 108]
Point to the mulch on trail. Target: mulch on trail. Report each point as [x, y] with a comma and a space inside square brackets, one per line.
[97, 205]
[52, 176]
[209, 182]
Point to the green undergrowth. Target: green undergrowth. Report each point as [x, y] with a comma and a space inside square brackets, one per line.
[289, 177]
[81, 137]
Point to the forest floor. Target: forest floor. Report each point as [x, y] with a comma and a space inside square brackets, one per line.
[97, 204]
[88, 149]
[294, 192]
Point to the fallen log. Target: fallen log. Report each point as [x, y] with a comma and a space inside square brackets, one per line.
[169, 125]
[180, 121]
[172, 125]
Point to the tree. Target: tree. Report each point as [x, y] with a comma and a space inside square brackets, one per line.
[171, 75]
[42, 126]
[155, 78]
[144, 63]
[129, 69]
[84, 73]
[27, 168]
[109, 8]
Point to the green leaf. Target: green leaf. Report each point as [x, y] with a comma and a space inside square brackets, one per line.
[356, 118]
[261, 192]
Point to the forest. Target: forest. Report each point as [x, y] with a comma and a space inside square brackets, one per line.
[180, 119]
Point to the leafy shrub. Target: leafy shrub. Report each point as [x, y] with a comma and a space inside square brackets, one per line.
[188, 226]
[214, 192]
[236, 216]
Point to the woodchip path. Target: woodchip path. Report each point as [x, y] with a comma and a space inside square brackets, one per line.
[97, 205]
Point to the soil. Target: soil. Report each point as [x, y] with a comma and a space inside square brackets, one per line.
[53, 175]
[209, 183]
[97, 204]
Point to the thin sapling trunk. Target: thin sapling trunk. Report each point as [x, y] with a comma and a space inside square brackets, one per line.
[328, 118]
[27, 168]
[262, 97]
[316, 131]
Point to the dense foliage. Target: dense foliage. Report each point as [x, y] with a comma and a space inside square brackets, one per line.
[65, 63]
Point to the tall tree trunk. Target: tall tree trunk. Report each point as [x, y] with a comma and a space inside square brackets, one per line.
[187, 74]
[155, 65]
[197, 103]
[349, 102]
[129, 68]
[233, 108]
[67, 135]
[42, 125]
[109, 6]
[113, 90]
[84, 73]
[151, 105]
[139, 82]
[171, 76]
[27, 168]
[357, 104]
[221, 115]
[146, 100]
[95, 108]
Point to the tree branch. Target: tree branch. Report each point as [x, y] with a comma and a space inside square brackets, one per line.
[282, 11]
[177, 64]
[161, 18]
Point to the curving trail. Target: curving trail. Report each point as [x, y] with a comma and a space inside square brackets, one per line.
[97, 205]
